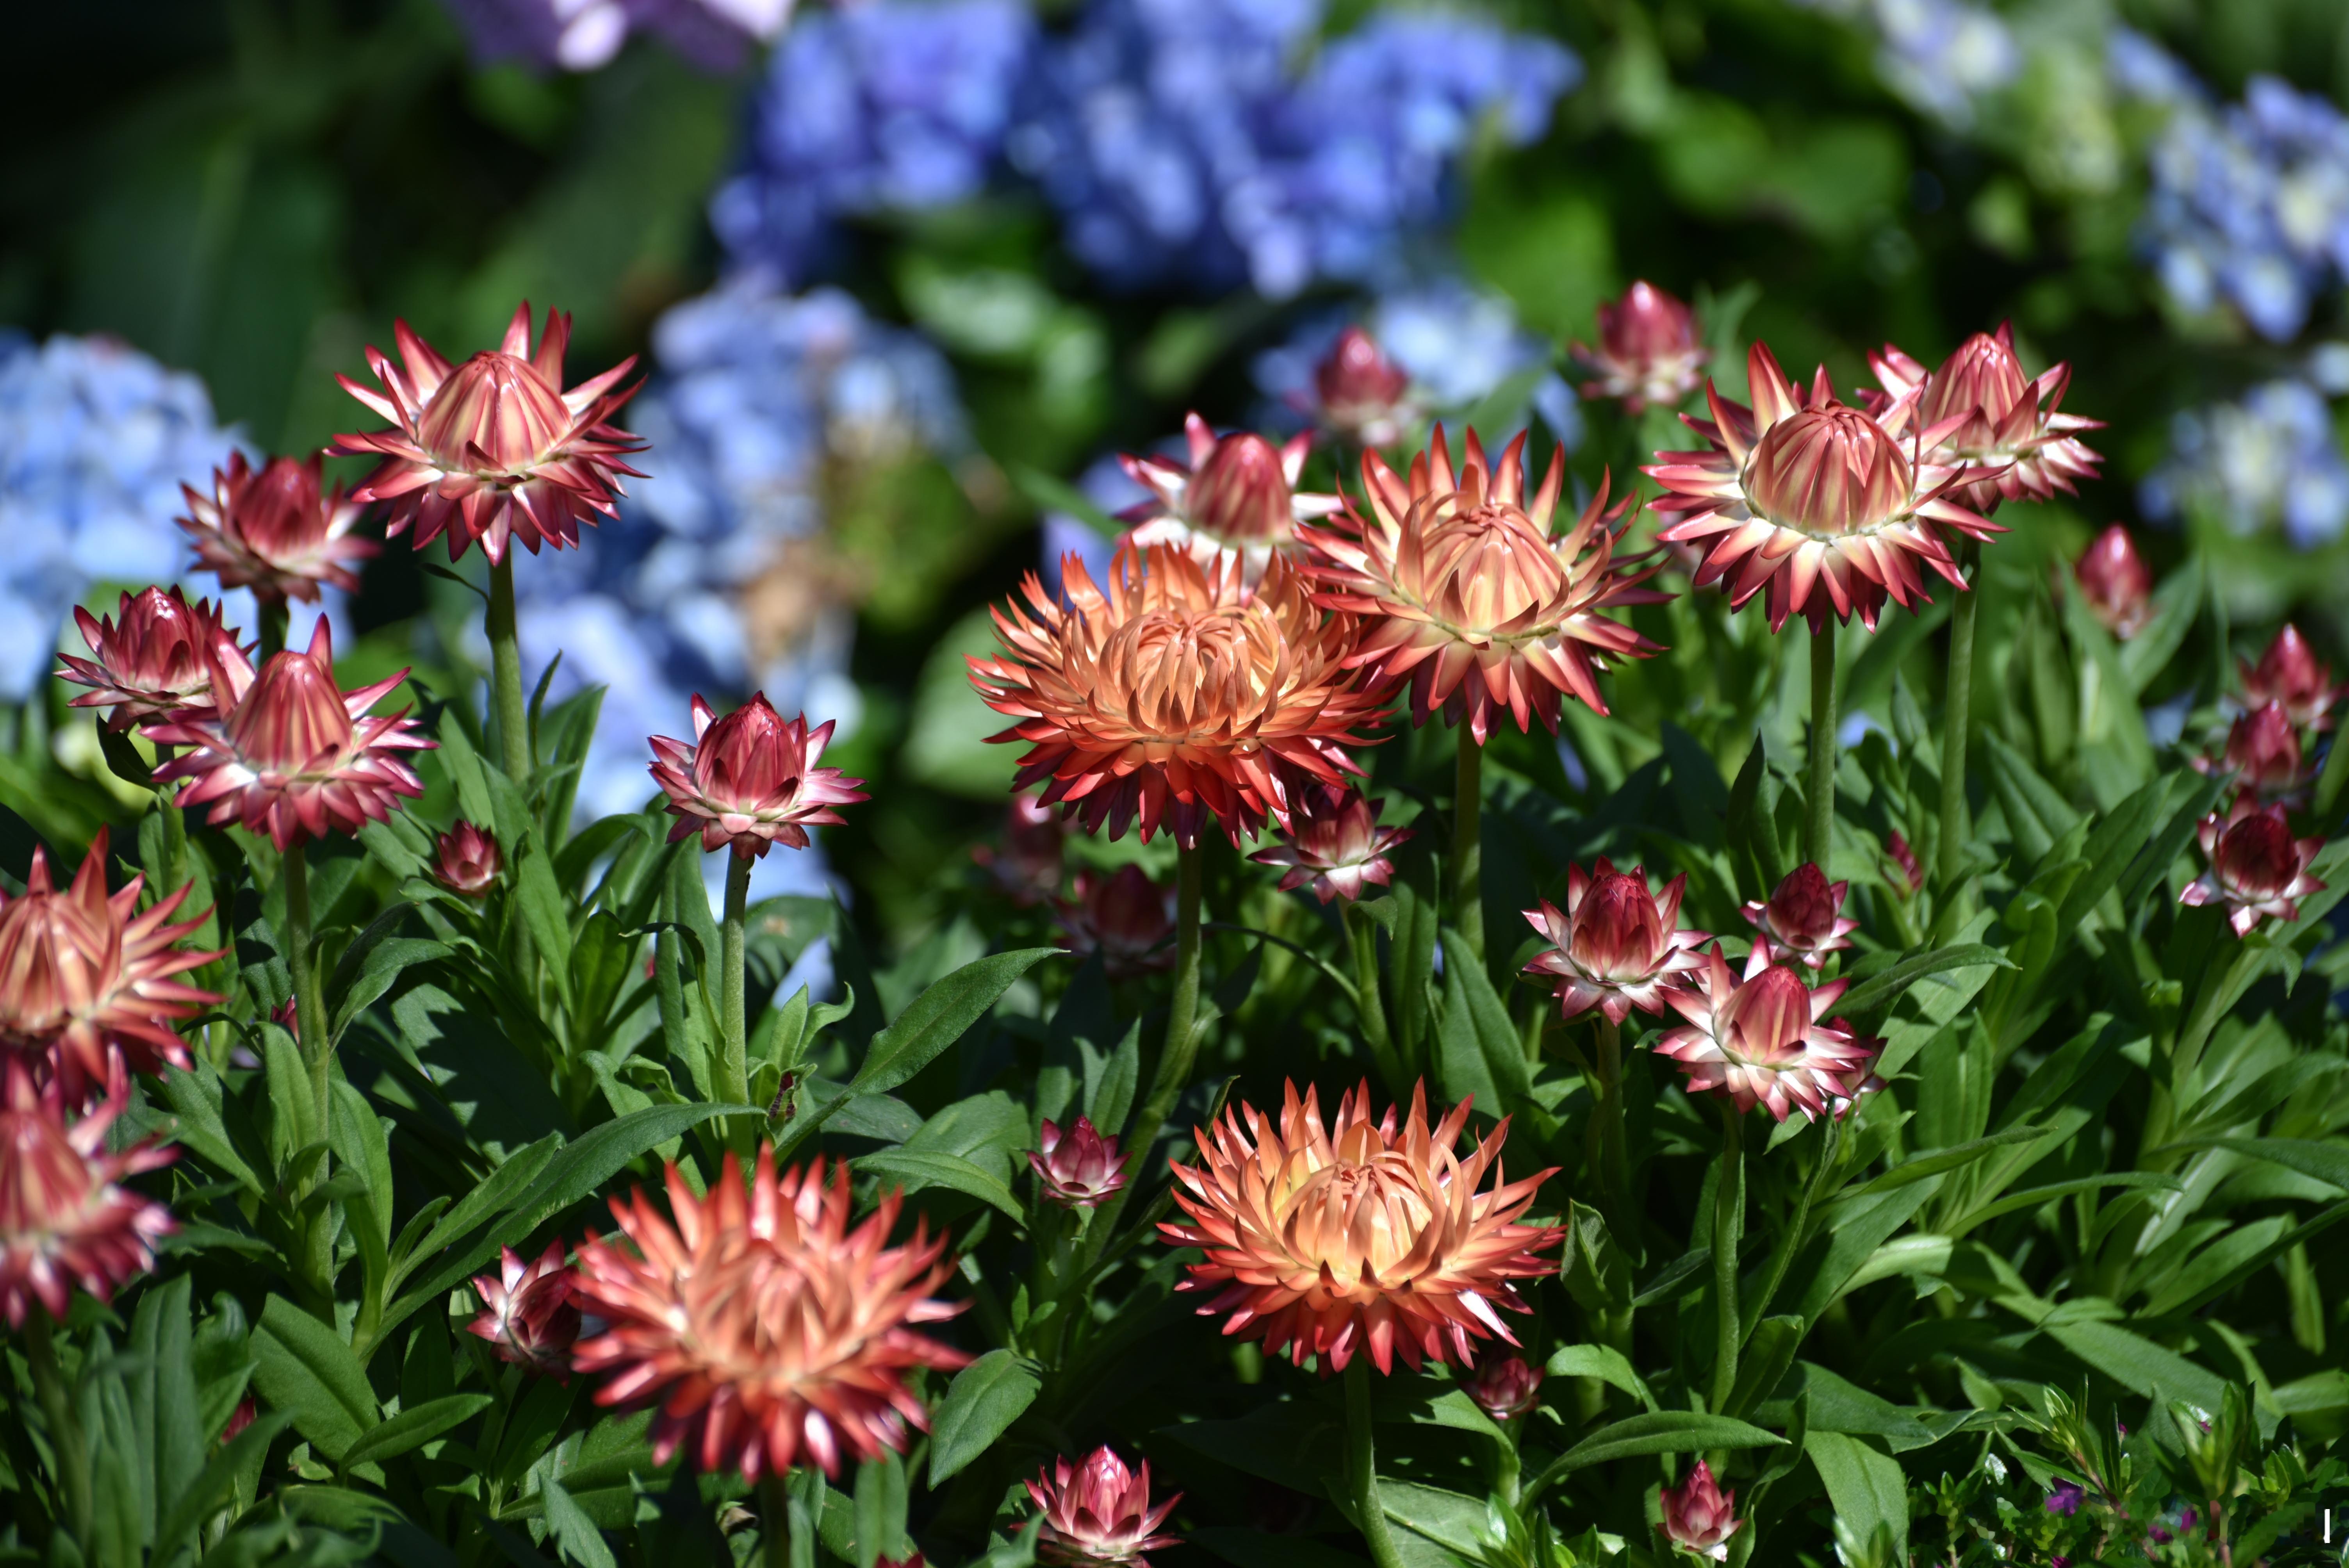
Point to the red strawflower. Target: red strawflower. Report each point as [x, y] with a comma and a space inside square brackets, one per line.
[1237, 496]
[157, 660]
[1803, 921]
[528, 1314]
[277, 530]
[1123, 916]
[1761, 1041]
[1699, 1517]
[466, 861]
[65, 1218]
[2258, 869]
[1814, 500]
[751, 780]
[1363, 396]
[1505, 1386]
[289, 753]
[87, 975]
[1334, 843]
[1649, 351]
[1077, 1168]
[1097, 1514]
[1980, 413]
[2264, 754]
[1030, 862]
[1616, 945]
[493, 448]
[2114, 582]
[2291, 675]
[1359, 1237]
[762, 1329]
[1463, 589]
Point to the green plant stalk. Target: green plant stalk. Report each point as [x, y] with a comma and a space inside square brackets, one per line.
[2219, 992]
[1468, 842]
[1796, 1235]
[734, 1003]
[64, 1427]
[2329, 783]
[505, 673]
[275, 614]
[775, 1517]
[1818, 823]
[1362, 1467]
[309, 1006]
[1728, 1217]
[1370, 1012]
[1957, 722]
[1181, 1046]
[1606, 1124]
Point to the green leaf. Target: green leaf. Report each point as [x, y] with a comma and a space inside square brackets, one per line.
[1879, 989]
[1604, 1363]
[414, 1428]
[544, 911]
[1867, 1488]
[1664, 1432]
[2327, 1162]
[215, 1489]
[163, 1390]
[575, 1533]
[2138, 1364]
[919, 1168]
[981, 1403]
[1109, 1099]
[938, 1016]
[1933, 1163]
[304, 1367]
[1468, 992]
[195, 1100]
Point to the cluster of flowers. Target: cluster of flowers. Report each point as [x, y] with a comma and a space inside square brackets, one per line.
[1180, 142]
[1942, 57]
[2272, 457]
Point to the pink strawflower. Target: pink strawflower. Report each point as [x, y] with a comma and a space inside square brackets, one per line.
[1617, 944]
[466, 861]
[1649, 351]
[2258, 869]
[751, 780]
[1505, 1386]
[528, 1314]
[1362, 395]
[1804, 920]
[1699, 1517]
[153, 659]
[1981, 414]
[1077, 1167]
[277, 530]
[1097, 1512]
[1762, 1041]
[1124, 917]
[65, 1218]
[2289, 674]
[1334, 844]
[2114, 582]
[2263, 753]
[290, 754]
[1237, 496]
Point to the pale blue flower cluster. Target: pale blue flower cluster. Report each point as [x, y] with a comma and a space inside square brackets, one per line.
[704, 583]
[2250, 204]
[892, 106]
[1942, 57]
[96, 439]
[2273, 458]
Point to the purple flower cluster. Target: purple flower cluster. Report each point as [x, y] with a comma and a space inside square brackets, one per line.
[2272, 457]
[582, 35]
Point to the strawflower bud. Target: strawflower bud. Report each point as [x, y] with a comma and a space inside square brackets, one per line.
[2258, 869]
[1905, 860]
[528, 1314]
[1363, 394]
[1617, 944]
[2263, 753]
[1237, 497]
[1505, 1386]
[1699, 1517]
[2289, 674]
[1334, 844]
[1981, 415]
[1762, 1041]
[277, 530]
[1077, 1167]
[751, 780]
[1097, 1514]
[2114, 582]
[1648, 350]
[1124, 917]
[153, 659]
[1803, 922]
[467, 861]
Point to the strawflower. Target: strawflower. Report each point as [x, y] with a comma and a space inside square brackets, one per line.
[1180, 695]
[1761, 1040]
[86, 976]
[1334, 844]
[1617, 944]
[1981, 413]
[1802, 921]
[1237, 495]
[65, 1218]
[1813, 501]
[751, 780]
[764, 1331]
[1505, 1386]
[1699, 1517]
[1076, 1166]
[2258, 869]
[1329, 1243]
[290, 754]
[154, 657]
[277, 530]
[1124, 917]
[1361, 396]
[1096, 1514]
[1463, 591]
[1649, 351]
[2289, 674]
[2263, 753]
[494, 450]
[528, 1314]
[466, 859]
[2114, 582]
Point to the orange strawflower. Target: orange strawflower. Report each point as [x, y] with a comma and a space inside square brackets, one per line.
[1178, 696]
[765, 1331]
[1326, 1242]
[65, 1218]
[1463, 589]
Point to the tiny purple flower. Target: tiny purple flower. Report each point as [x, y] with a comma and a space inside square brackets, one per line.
[2065, 1498]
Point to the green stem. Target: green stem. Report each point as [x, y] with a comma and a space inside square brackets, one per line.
[1606, 1124]
[66, 1437]
[1818, 825]
[736, 1022]
[1362, 1467]
[275, 615]
[775, 1512]
[1728, 1228]
[2220, 992]
[2329, 782]
[1182, 1014]
[309, 1007]
[1468, 842]
[1370, 1010]
[505, 673]
[1957, 722]
[1792, 1242]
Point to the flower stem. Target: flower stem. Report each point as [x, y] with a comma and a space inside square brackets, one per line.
[775, 1509]
[1818, 825]
[1607, 1123]
[1361, 1465]
[66, 1437]
[735, 1071]
[309, 1007]
[1956, 717]
[1468, 842]
[1728, 1228]
[1370, 1010]
[1791, 1241]
[505, 673]
[275, 614]
[1182, 1013]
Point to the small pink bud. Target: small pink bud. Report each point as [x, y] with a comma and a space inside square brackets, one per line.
[1362, 390]
[1803, 922]
[1240, 494]
[1616, 945]
[1699, 1517]
[1648, 350]
[1505, 1386]
[1333, 843]
[1124, 917]
[2258, 869]
[1077, 1166]
[468, 861]
[751, 780]
[2264, 751]
[1097, 1512]
[2115, 583]
[528, 1314]
[2291, 675]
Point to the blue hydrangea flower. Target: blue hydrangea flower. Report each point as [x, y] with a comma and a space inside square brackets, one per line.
[706, 581]
[1942, 57]
[2250, 206]
[896, 105]
[2273, 458]
[96, 439]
